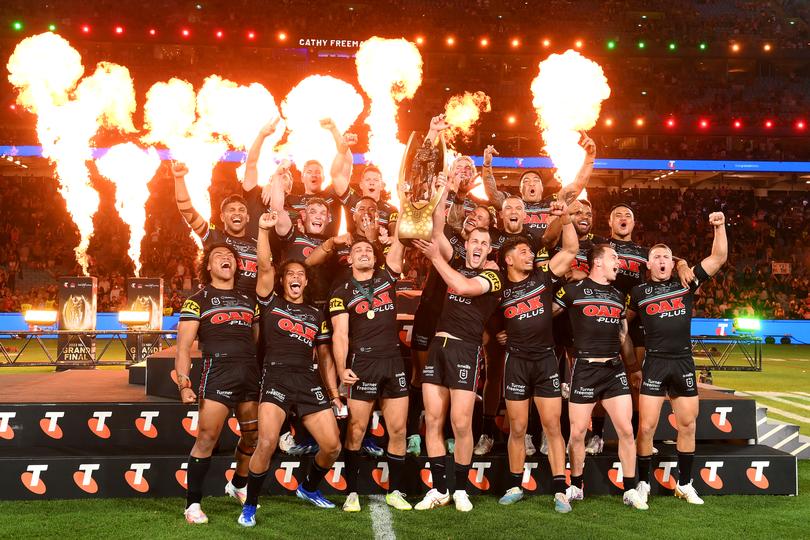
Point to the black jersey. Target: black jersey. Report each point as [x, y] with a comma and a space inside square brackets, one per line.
[499, 238]
[632, 264]
[596, 312]
[435, 288]
[298, 203]
[386, 214]
[246, 262]
[291, 332]
[580, 262]
[226, 320]
[376, 335]
[298, 246]
[464, 317]
[665, 308]
[527, 313]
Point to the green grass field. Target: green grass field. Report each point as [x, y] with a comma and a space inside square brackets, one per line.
[286, 517]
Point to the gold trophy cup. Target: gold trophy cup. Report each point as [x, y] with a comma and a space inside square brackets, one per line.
[422, 162]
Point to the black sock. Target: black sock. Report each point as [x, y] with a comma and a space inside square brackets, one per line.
[576, 481]
[644, 466]
[415, 408]
[462, 476]
[239, 481]
[439, 473]
[254, 485]
[352, 458]
[685, 460]
[396, 465]
[515, 480]
[630, 482]
[314, 476]
[489, 427]
[197, 469]
[558, 484]
[598, 425]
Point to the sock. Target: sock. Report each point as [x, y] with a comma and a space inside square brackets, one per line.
[598, 425]
[197, 469]
[490, 428]
[352, 458]
[685, 460]
[439, 473]
[514, 480]
[415, 407]
[644, 466]
[314, 476]
[576, 481]
[396, 465]
[239, 481]
[462, 476]
[254, 485]
[558, 484]
[630, 482]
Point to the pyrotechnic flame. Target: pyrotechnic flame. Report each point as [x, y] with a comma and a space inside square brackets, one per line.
[388, 70]
[315, 98]
[567, 95]
[463, 111]
[131, 169]
[45, 69]
[343, 226]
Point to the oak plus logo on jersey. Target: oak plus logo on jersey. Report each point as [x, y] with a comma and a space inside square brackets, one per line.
[533, 306]
[232, 317]
[756, 474]
[98, 424]
[380, 474]
[181, 475]
[666, 308]
[146, 423]
[305, 334]
[602, 311]
[190, 422]
[710, 474]
[334, 478]
[720, 418]
[6, 431]
[477, 476]
[136, 477]
[663, 473]
[32, 479]
[382, 302]
[84, 477]
[377, 428]
[284, 474]
[528, 482]
[629, 265]
[50, 424]
[616, 475]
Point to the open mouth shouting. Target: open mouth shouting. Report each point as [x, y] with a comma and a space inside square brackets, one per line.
[295, 287]
[225, 265]
[475, 256]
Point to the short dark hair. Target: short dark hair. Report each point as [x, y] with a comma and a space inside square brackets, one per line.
[282, 269]
[360, 239]
[361, 199]
[205, 273]
[482, 230]
[235, 198]
[621, 205]
[371, 168]
[493, 218]
[596, 252]
[513, 242]
[585, 202]
[317, 200]
[527, 172]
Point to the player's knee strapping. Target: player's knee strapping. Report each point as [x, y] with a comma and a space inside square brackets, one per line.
[249, 439]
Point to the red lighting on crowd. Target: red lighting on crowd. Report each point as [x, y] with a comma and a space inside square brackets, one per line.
[185, 32]
[484, 42]
[639, 122]
[768, 124]
[546, 43]
[420, 40]
[85, 28]
[579, 44]
[670, 122]
[13, 107]
[119, 30]
[703, 123]
[609, 122]
[737, 124]
[800, 125]
[515, 43]
[152, 32]
[451, 40]
[511, 120]
[282, 36]
[220, 34]
[251, 35]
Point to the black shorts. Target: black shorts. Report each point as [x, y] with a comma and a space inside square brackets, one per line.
[453, 363]
[636, 331]
[672, 376]
[595, 381]
[230, 381]
[294, 391]
[424, 326]
[379, 377]
[530, 375]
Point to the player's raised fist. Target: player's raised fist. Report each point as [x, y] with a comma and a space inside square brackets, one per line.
[268, 220]
[717, 219]
[328, 123]
[179, 169]
[438, 123]
[489, 151]
[558, 208]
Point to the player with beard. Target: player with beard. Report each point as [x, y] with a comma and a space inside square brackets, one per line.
[538, 216]
[296, 337]
[530, 366]
[224, 321]
[365, 345]
[235, 218]
[450, 377]
[664, 305]
[597, 313]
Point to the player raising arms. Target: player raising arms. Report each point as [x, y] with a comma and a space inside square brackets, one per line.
[223, 321]
[665, 308]
[295, 337]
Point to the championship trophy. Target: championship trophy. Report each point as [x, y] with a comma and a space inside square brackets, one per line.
[421, 164]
